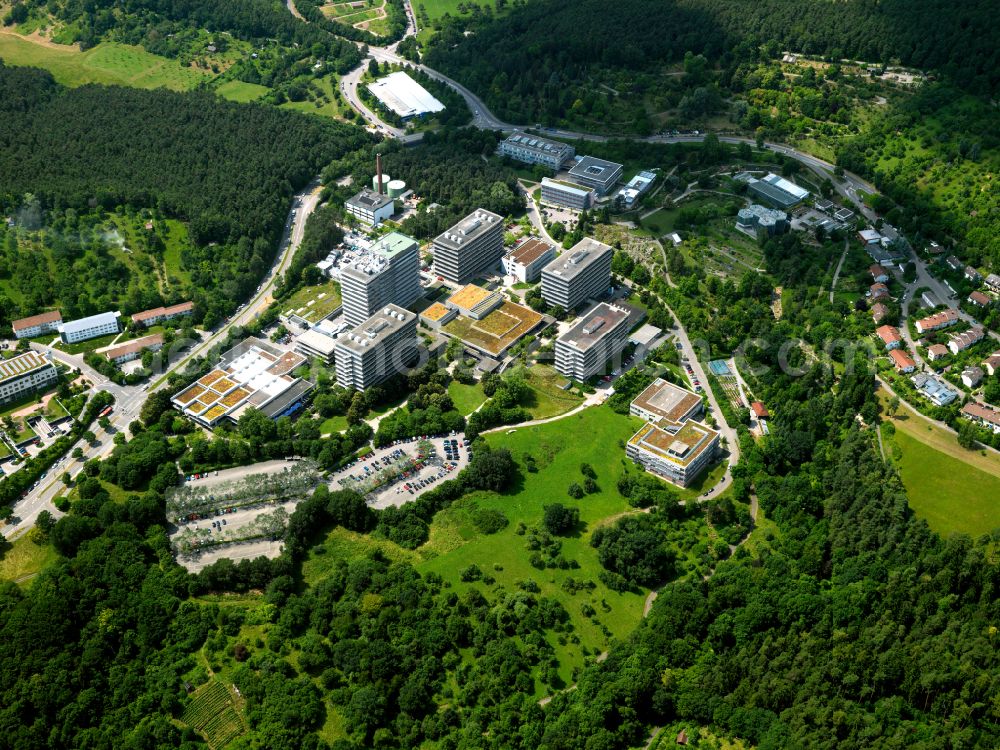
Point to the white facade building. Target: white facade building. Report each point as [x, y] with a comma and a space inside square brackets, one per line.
[23, 374]
[90, 328]
[584, 350]
[582, 272]
[386, 273]
[370, 207]
[383, 346]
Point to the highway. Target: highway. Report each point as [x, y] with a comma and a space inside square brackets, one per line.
[129, 399]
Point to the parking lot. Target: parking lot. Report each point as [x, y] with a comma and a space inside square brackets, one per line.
[435, 469]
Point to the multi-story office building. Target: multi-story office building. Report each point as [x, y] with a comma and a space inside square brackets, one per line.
[101, 324]
[582, 272]
[584, 350]
[370, 207]
[531, 149]
[676, 451]
[566, 194]
[23, 374]
[470, 247]
[383, 346]
[663, 400]
[387, 273]
[36, 325]
[595, 173]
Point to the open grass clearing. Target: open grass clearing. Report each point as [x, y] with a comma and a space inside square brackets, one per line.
[240, 91]
[333, 424]
[466, 398]
[547, 398]
[108, 63]
[951, 495]
[23, 559]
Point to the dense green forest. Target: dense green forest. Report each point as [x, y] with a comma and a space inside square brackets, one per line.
[535, 62]
[227, 170]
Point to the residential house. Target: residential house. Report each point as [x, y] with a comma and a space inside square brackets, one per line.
[936, 352]
[962, 341]
[879, 292]
[890, 336]
[972, 376]
[954, 263]
[982, 415]
[879, 312]
[878, 273]
[973, 275]
[36, 325]
[869, 237]
[937, 321]
[979, 299]
[903, 361]
[934, 389]
[993, 283]
[992, 363]
[759, 410]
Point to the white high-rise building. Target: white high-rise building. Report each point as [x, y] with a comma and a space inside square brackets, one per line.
[383, 346]
[584, 350]
[470, 247]
[387, 273]
[582, 272]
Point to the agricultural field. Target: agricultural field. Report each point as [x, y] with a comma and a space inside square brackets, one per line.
[216, 714]
[313, 303]
[108, 63]
[953, 489]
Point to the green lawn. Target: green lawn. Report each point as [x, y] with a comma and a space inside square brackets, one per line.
[89, 345]
[467, 398]
[332, 425]
[240, 91]
[314, 302]
[109, 63]
[455, 543]
[951, 495]
[24, 558]
[548, 398]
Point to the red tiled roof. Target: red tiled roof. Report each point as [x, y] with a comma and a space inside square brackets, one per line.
[52, 316]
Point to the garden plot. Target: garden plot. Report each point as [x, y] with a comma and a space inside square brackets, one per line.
[216, 714]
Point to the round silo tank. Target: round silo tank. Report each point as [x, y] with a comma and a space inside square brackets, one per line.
[385, 182]
[396, 188]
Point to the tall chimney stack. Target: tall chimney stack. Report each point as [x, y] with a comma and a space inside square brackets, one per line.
[378, 171]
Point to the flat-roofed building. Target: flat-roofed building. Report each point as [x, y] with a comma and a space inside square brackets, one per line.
[25, 373]
[582, 272]
[935, 390]
[404, 96]
[36, 325]
[315, 344]
[776, 190]
[635, 187]
[475, 302]
[566, 194]
[370, 207]
[130, 350]
[438, 315]
[757, 220]
[585, 349]
[678, 452]
[532, 149]
[254, 374]
[473, 245]
[526, 261]
[161, 314]
[383, 346]
[664, 400]
[599, 174]
[91, 327]
[387, 273]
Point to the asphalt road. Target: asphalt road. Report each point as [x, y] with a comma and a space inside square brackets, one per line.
[129, 399]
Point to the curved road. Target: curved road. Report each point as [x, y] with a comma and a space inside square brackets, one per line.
[129, 399]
